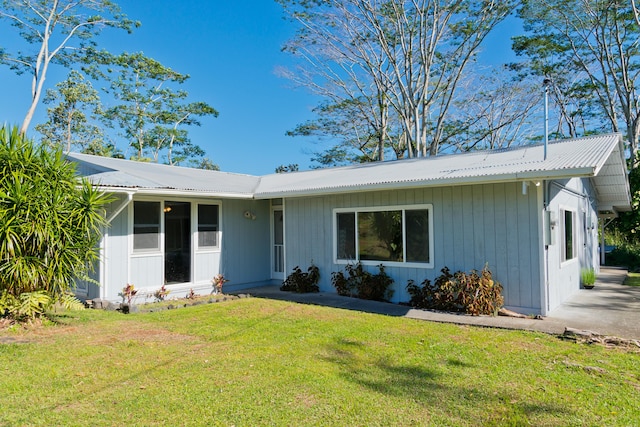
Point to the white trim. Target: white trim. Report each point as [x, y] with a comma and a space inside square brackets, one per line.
[160, 253]
[274, 274]
[196, 233]
[574, 217]
[403, 208]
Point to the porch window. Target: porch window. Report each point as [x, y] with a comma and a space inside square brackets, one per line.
[146, 226]
[392, 235]
[208, 226]
[568, 243]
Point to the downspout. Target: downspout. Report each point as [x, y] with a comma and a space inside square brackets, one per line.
[545, 203]
[120, 208]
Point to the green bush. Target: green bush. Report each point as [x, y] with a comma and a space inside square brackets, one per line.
[361, 284]
[301, 282]
[473, 293]
[50, 220]
[625, 255]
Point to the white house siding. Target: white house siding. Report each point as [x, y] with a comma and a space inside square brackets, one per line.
[564, 276]
[245, 256]
[473, 225]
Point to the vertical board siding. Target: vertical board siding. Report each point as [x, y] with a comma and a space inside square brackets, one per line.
[207, 265]
[564, 277]
[116, 256]
[246, 244]
[473, 225]
[500, 260]
[146, 271]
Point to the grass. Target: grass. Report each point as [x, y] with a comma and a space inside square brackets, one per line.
[633, 279]
[260, 362]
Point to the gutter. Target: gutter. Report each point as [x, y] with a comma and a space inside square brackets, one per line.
[173, 192]
[433, 183]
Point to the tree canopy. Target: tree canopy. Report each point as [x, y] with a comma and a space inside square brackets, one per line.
[389, 71]
[55, 32]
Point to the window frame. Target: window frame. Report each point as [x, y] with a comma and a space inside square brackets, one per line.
[574, 244]
[215, 247]
[403, 208]
[159, 234]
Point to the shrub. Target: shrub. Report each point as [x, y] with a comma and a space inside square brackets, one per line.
[30, 305]
[302, 282]
[128, 293]
[361, 284]
[473, 293]
[50, 220]
[161, 293]
[625, 255]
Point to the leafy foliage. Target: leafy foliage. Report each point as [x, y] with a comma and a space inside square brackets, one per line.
[149, 111]
[589, 52]
[361, 284]
[292, 167]
[302, 282]
[68, 124]
[128, 293]
[389, 73]
[55, 32]
[473, 293]
[161, 293]
[50, 220]
[625, 255]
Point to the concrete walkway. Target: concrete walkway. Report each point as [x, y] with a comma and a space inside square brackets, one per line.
[609, 309]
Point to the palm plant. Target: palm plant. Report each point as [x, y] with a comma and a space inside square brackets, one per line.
[50, 219]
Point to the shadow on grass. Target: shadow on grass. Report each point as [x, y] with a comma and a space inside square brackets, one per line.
[448, 388]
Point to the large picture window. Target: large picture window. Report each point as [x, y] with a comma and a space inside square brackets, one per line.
[568, 243]
[146, 226]
[208, 226]
[391, 235]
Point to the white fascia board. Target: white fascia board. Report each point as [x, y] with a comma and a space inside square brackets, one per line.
[176, 193]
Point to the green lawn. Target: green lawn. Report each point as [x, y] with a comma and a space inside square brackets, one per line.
[259, 362]
[633, 279]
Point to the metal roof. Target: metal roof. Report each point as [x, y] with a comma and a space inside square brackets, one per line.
[123, 175]
[600, 158]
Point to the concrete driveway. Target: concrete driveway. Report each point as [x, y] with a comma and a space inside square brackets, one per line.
[608, 309]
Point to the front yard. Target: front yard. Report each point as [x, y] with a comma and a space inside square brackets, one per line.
[260, 362]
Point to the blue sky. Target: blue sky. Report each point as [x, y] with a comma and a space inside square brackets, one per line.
[231, 50]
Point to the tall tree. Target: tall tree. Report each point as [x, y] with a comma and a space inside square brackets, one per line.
[148, 110]
[396, 59]
[55, 31]
[70, 121]
[590, 51]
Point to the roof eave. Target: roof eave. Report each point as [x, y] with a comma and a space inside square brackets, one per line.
[441, 182]
[174, 192]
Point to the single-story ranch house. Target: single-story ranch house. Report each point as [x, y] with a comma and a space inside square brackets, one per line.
[532, 219]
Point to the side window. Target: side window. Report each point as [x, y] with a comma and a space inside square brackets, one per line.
[146, 226]
[568, 243]
[208, 219]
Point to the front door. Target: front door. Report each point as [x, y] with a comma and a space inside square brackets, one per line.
[177, 242]
[277, 244]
